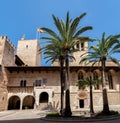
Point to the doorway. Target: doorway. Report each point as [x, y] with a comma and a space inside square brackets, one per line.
[81, 103]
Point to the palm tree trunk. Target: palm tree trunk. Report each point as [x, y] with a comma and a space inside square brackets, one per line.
[62, 83]
[91, 98]
[105, 97]
[68, 112]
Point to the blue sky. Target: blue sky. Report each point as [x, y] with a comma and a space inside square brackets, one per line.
[23, 17]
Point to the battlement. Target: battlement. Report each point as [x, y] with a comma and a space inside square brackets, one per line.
[6, 51]
[5, 38]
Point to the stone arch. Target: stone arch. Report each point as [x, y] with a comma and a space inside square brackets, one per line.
[14, 102]
[28, 102]
[43, 100]
[97, 71]
[44, 97]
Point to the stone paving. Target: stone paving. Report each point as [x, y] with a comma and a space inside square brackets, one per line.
[21, 114]
[35, 116]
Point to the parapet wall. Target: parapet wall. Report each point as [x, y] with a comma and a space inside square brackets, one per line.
[6, 51]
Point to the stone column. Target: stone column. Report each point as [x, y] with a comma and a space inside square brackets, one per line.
[21, 102]
[50, 96]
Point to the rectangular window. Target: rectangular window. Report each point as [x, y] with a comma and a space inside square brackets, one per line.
[23, 83]
[37, 83]
[44, 81]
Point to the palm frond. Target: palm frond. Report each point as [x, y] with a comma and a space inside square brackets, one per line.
[114, 60]
[74, 24]
[50, 32]
[82, 30]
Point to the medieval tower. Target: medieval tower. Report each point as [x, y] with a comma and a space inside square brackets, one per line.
[29, 52]
[6, 52]
[6, 59]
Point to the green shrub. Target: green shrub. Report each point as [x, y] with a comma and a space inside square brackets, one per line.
[52, 114]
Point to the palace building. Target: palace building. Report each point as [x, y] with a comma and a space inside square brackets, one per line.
[25, 84]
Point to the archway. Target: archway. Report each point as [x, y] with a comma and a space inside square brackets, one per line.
[28, 102]
[43, 100]
[43, 97]
[14, 103]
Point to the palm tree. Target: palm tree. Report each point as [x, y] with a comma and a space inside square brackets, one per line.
[103, 51]
[88, 81]
[53, 52]
[67, 38]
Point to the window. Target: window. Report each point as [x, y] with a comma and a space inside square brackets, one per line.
[23, 83]
[44, 81]
[95, 77]
[40, 82]
[110, 80]
[78, 46]
[37, 83]
[82, 46]
[80, 75]
[26, 46]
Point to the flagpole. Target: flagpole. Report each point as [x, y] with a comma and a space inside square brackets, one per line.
[39, 30]
[37, 34]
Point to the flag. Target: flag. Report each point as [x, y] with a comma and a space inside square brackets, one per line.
[40, 30]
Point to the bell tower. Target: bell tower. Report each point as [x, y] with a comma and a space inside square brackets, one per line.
[82, 48]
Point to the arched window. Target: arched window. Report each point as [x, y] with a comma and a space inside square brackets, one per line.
[78, 46]
[80, 75]
[110, 80]
[82, 46]
[95, 77]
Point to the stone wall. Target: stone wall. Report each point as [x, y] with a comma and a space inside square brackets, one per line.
[52, 87]
[3, 97]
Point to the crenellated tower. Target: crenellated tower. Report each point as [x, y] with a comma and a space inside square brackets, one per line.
[6, 59]
[7, 50]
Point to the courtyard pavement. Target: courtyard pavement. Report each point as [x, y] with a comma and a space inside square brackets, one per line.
[36, 116]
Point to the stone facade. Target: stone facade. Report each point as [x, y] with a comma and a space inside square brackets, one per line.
[37, 87]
